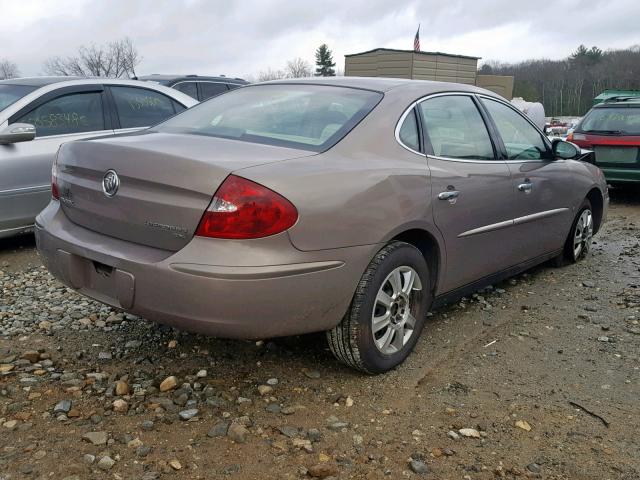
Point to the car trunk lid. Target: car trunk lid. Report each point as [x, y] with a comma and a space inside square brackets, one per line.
[166, 182]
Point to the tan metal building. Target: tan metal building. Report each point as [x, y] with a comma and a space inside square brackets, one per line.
[445, 67]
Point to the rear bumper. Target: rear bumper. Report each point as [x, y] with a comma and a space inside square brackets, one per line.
[621, 175]
[234, 289]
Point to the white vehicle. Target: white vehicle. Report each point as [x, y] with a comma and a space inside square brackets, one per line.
[38, 114]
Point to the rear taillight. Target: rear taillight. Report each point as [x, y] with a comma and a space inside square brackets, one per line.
[570, 137]
[243, 209]
[55, 193]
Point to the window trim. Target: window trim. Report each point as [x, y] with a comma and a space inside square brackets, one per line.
[426, 142]
[115, 115]
[500, 141]
[187, 81]
[65, 92]
[404, 116]
[496, 139]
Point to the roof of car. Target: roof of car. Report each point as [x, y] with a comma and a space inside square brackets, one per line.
[38, 81]
[384, 84]
[619, 101]
[167, 77]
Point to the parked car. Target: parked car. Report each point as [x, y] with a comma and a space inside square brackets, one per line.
[343, 205]
[38, 114]
[612, 130]
[199, 87]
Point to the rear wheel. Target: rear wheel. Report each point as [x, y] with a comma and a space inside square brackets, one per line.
[387, 313]
[578, 243]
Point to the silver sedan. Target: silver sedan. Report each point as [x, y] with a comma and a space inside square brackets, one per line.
[38, 114]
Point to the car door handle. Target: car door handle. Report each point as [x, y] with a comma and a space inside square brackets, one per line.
[525, 187]
[448, 195]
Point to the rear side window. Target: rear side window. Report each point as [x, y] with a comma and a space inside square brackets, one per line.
[73, 113]
[612, 120]
[312, 117]
[139, 107]
[188, 88]
[521, 140]
[455, 128]
[210, 89]
[409, 132]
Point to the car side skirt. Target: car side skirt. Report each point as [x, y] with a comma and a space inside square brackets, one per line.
[453, 295]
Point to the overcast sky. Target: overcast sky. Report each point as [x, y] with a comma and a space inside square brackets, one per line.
[241, 38]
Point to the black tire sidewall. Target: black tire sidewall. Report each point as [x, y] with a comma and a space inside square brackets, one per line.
[374, 360]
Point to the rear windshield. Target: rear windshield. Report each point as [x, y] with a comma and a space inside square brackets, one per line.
[311, 117]
[612, 120]
[12, 93]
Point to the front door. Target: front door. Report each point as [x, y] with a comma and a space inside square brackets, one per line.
[542, 185]
[472, 190]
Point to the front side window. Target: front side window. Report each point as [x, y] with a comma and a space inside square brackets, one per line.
[520, 138]
[612, 121]
[139, 107]
[73, 113]
[455, 128]
[210, 89]
[312, 117]
[10, 94]
[188, 88]
[409, 132]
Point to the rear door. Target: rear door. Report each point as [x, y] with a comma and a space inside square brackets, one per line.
[137, 108]
[542, 185]
[472, 189]
[62, 115]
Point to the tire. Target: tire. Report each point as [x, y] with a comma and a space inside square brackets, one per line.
[354, 342]
[578, 243]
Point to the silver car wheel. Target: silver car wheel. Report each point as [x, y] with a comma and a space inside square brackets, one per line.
[583, 234]
[393, 319]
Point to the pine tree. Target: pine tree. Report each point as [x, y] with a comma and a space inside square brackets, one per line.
[324, 62]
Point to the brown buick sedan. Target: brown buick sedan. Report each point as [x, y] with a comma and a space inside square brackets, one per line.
[350, 205]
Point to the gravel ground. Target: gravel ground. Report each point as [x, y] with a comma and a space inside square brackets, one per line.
[537, 377]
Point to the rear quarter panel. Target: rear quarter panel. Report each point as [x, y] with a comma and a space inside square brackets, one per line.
[359, 192]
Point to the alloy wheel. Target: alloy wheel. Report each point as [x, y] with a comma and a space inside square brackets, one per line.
[583, 234]
[394, 313]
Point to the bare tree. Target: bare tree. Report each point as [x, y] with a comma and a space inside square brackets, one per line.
[116, 59]
[298, 68]
[270, 74]
[8, 69]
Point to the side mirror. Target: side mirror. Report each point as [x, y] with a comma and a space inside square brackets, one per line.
[17, 132]
[565, 150]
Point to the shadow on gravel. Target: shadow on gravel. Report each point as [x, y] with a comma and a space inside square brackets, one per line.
[628, 195]
[17, 243]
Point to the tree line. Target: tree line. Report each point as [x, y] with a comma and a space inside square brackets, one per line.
[568, 86]
[120, 58]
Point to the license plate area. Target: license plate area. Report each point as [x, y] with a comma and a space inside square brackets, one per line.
[98, 280]
[616, 155]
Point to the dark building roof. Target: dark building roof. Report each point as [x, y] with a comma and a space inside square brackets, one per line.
[411, 51]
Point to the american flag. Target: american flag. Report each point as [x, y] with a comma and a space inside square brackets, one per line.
[416, 41]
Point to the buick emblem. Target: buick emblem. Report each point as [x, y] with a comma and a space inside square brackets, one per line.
[110, 183]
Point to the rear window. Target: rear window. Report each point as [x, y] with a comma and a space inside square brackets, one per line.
[311, 117]
[10, 94]
[612, 120]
